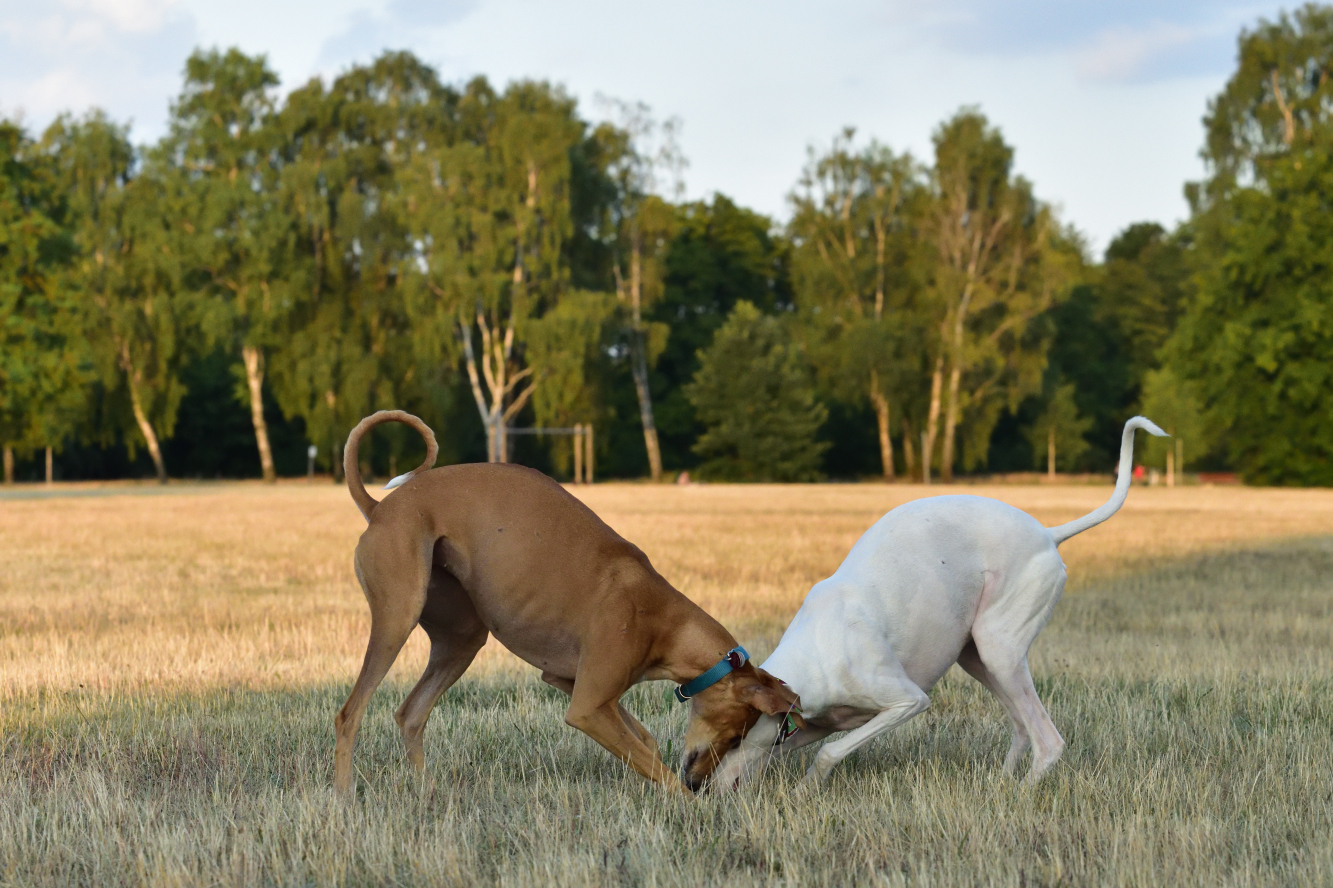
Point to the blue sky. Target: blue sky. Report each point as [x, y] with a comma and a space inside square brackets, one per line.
[1102, 100]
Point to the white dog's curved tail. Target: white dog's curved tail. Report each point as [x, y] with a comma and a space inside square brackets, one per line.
[1097, 516]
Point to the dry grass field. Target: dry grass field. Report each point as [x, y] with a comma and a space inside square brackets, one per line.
[170, 664]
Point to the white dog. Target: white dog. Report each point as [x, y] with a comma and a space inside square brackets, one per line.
[938, 581]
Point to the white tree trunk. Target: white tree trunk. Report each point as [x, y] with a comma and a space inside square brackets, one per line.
[578, 453]
[132, 380]
[149, 436]
[932, 419]
[881, 402]
[146, 429]
[9, 464]
[1050, 453]
[493, 365]
[50, 467]
[254, 378]
[909, 461]
[639, 353]
[925, 461]
[640, 366]
[588, 456]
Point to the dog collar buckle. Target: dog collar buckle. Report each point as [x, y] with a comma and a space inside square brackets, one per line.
[734, 660]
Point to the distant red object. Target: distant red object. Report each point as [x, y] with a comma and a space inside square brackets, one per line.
[1219, 478]
[1139, 473]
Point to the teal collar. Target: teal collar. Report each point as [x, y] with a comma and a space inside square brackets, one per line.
[734, 660]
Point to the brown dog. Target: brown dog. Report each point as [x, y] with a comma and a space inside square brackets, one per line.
[469, 550]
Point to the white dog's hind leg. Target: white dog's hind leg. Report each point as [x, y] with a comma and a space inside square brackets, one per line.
[907, 699]
[1003, 633]
[1015, 689]
[970, 660]
[1047, 743]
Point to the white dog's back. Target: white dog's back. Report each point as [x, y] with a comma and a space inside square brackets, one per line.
[920, 577]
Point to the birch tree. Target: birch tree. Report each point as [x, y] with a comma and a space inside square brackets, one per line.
[126, 271]
[223, 144]
[646, 160]
[347, 149]
[1058, 434]
[490, 218]
[1002, 262]
[854, 273]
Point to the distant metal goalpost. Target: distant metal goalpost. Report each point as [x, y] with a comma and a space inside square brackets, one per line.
[583, 446]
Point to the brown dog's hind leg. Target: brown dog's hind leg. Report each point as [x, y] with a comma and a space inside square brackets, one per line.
[394, 579]
[456, 635]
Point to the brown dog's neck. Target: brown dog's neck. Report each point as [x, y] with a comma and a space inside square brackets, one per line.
[696, 645]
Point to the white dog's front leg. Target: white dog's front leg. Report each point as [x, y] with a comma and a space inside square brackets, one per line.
[913, 702]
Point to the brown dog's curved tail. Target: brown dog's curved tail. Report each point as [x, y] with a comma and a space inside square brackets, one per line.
[352, 468]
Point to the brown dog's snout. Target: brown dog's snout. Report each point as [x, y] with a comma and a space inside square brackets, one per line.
[692, 780]
[686, 772]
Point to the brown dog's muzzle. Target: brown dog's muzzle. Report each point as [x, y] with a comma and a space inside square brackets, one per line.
[698, 765]
[698, 768]
[687, 776]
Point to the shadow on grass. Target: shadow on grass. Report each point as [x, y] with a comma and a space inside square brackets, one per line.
[1196, 700]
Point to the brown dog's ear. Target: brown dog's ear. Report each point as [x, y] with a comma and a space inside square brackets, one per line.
[772, 697]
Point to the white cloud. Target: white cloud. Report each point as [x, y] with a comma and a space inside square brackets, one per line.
[1125, 53]
[121, 55]
[131, 16]
[61, 88]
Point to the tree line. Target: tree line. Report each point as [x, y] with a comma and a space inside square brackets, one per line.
[273, 269]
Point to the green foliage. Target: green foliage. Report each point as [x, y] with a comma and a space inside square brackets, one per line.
[384, 239]
[1256, 339]
[858, 268]
[566, 343]
[224, 148]
[755, 394]
[1143, 289]
[1003, 262]
[1279, 99]
[126, 273]
[1174, 404]
[1108, 334]
[44, 364]
[720, 254]
[348, 346]
[1089, 351]
[1059, 423]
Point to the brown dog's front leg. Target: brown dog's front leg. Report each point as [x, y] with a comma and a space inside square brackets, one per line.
[644, 735]
[603, 722]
